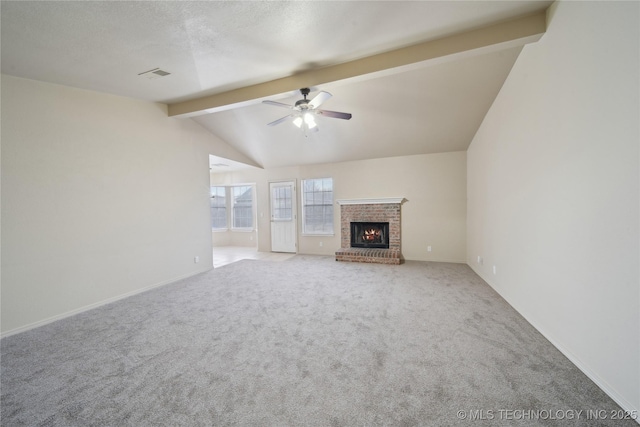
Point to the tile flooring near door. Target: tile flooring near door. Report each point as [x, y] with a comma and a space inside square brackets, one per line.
[224, 255]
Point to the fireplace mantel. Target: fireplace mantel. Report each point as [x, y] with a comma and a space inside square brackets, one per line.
[379, 201]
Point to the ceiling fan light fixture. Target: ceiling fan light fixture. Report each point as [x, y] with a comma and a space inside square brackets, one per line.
[309, 120]
[305, 120]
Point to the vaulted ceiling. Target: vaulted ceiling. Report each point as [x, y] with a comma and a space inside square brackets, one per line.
[418, 77]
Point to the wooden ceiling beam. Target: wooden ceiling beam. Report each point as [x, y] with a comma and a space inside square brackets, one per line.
[508, 34]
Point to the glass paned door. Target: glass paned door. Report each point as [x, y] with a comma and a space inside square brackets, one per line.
[283, 216]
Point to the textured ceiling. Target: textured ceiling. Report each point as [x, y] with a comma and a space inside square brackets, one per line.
[213, 47]
[429, 110]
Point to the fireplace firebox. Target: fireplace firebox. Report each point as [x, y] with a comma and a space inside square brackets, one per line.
[370, 235]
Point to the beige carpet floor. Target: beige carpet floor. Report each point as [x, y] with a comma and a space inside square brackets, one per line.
[304, 342]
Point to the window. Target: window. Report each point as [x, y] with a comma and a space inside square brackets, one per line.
[218, 208]
[317, 206]
[242, 206]
[281, 205]
[235, 199]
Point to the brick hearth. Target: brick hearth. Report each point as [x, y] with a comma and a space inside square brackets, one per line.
[370, 210]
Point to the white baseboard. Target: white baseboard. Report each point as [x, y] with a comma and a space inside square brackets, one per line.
[604, 386]
[443, 260]
[95, 305]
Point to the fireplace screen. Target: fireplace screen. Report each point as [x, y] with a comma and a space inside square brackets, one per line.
[370, 235]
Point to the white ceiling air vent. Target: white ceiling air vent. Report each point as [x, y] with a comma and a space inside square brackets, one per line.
[156, 73]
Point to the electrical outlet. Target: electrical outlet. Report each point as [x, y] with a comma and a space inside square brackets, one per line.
[480, 260]
[196, 259]
[320, 243]
[428, 248]
[494, 269]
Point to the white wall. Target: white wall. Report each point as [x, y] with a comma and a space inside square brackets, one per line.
[247, 239]
[102, 196]
[434, 214]
[553, 191]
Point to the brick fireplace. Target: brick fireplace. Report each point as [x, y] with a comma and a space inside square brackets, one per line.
[384, 210]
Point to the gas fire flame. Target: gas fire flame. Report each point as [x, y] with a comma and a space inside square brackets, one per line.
[371, 234]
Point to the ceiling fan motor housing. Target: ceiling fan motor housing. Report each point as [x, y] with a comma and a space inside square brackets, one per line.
[303, 104]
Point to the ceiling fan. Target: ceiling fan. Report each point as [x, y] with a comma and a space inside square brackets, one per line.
[305, 109]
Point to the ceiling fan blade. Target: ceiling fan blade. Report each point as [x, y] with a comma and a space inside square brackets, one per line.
[319, 99]
[280, 120]
[334, 114]
[279, 104]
